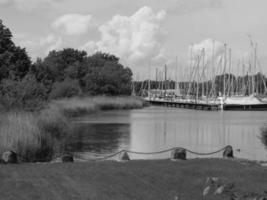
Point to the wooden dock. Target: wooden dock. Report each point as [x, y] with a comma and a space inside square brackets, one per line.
[187, 105]
[208, 106]
[252, 107]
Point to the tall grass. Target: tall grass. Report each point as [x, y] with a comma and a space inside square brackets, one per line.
[40, 136]
[79, 106]
[19, 132]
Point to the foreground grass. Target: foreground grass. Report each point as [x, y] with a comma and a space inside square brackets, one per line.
[40, 136]
[162, 179]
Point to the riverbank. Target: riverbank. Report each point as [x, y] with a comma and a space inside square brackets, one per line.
[158, 179]
[38, 136]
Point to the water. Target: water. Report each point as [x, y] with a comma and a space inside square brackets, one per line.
[159, 128]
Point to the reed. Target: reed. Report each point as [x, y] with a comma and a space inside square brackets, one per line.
[20, 132]
[89, 105]
[40, 136]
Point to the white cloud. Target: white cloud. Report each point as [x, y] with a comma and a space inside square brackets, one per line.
[136, 39]
[51, 42]
[4, 2]
[73, 24]
[28, 5]
[40, 46]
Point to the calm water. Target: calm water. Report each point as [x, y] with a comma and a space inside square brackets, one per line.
[159, 128]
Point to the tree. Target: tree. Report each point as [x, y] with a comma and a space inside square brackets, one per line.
[14, 61]
[105, 75]
[60, 64]
[98, 74]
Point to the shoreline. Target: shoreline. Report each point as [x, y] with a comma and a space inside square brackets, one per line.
[39, 136]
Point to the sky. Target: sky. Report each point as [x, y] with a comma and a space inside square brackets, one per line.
[144, 34]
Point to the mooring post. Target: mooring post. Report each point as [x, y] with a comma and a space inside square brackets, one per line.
[228, 152]
[124, 156]
[67, 157]
[178, 154]
[9, 157]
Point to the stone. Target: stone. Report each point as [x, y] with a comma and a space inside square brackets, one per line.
[178, 154]
[124, 156]
[67, 158]
[228, 152]
[9, 157]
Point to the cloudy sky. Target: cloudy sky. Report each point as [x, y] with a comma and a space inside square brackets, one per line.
[138, 31]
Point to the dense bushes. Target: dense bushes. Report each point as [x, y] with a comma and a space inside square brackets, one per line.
[65, 73]
[66, 88]
[26, 93]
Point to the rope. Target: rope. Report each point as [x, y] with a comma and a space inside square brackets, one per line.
[164, 151]
[206, 154]
[107, 157]
[157, 152]
[144, 153]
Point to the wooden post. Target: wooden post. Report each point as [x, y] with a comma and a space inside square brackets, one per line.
[124, 156]
[178, 154]
[228, 152]
[9, 157]
[67, 158]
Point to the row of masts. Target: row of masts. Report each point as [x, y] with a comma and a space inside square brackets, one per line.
[205, 78]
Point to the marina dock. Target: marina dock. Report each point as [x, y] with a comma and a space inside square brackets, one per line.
[208, 106]
[184, 104]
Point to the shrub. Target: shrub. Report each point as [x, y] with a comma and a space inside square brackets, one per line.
[27, 93]
[67, 88]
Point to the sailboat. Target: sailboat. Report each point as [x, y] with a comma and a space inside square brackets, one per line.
[250, 99]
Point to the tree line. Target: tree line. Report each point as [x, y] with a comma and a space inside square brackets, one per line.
[63, 73]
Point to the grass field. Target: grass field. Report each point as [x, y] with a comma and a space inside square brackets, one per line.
[142, 180]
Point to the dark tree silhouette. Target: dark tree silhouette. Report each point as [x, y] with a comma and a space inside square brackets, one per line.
[14, 61]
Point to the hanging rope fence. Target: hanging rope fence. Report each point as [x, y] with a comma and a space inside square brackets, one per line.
[177, 153]
[160, 152]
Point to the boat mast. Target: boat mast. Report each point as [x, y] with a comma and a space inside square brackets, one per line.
[190, 72]
[165, 81]
[176, 77]
[255, 68]
[225, 48]
[229, 75]
[202, 76]
[149, 86]
[213, 71]
[197, 76]
[156, 85]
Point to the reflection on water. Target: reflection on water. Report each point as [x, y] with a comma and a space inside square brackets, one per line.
[264, 135]
[159, 128]
[98, 139]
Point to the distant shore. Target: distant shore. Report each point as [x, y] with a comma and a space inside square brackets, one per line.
[158, 179]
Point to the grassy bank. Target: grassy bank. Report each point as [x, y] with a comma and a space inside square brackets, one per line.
[39, 136]
[80, 106]
[143, 180]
